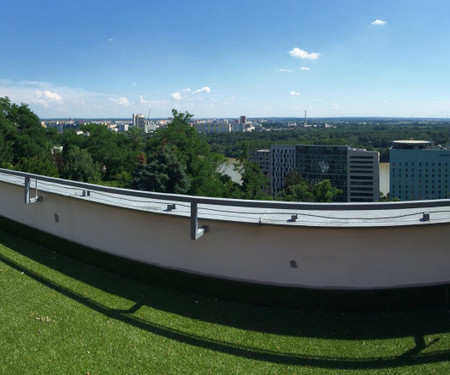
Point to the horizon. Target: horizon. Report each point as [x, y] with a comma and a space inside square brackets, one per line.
[336, 59]
[354, 118]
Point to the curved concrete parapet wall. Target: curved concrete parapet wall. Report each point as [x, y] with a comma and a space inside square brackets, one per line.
[347, 246]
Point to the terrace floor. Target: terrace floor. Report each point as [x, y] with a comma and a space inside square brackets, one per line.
[60, 315]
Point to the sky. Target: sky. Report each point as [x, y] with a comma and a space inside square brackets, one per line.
[226, 58]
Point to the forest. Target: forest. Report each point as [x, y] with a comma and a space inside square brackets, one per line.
[371, 136]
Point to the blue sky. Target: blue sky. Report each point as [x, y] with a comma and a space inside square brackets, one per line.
[227, 58]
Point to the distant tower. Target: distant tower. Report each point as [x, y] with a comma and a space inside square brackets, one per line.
[243, 119]
[305, 122]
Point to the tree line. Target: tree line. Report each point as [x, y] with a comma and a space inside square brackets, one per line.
[174, 159]
[373, 137]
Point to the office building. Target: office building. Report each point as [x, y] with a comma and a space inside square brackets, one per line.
[354, 171]
[419, 170]
[363, 177]
[282, 162]
[262, 158]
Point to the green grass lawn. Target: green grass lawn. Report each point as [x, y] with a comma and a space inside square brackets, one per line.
[61, 316]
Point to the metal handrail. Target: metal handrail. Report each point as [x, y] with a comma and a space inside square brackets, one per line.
[194, 201]
[235, 202]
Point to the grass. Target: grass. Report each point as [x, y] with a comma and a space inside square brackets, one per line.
[62, 316]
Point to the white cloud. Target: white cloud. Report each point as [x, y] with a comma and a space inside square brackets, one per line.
[285, 70]
[305, 68]
[121, 101]
[302, 54]
[203, 89]
[378, 22]
[48, 97]
[49, 100]
[294, 93]
[190, 93]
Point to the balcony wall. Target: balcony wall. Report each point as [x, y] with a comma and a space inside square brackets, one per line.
[319, 257]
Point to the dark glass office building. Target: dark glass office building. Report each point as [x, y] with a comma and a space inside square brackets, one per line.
[317, 163]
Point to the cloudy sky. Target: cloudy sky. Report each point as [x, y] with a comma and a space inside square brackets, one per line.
[226, 58]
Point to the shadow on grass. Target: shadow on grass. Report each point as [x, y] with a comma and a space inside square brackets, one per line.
[317, 324]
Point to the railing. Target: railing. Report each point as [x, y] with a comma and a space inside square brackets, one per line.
[194, 201]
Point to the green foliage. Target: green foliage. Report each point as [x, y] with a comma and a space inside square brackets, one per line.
[293, 178]
[39, 164]
[6, 151]
[296, 189]
[122, 180]
[254, 184]
[181, 140]
[162, 173]
[79, 166]
[323, 191]
[22, 134]
[299, 192]
[375, 135]
[135, 137]
[112, 157]
[112, 151]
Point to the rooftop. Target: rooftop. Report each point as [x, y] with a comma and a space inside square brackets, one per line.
[345, 215]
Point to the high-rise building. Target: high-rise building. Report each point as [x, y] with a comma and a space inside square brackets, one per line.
[354, 171]
[262, 158]
[363, 176]
[139, 120]
[317, 163]
[419, 170]
[243, 119]
[282, 162]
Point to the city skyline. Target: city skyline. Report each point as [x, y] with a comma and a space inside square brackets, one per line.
[224, 59]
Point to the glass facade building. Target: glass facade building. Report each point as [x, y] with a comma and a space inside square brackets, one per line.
[317, 163]
[355, 172]
[419, 170]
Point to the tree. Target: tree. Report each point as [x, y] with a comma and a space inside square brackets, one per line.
[296, 193]
[163, 173]
[112, 151]
[39, 164]
[5, 152]
[323, 191]
[182, 141]
[79, 166]
[254, 184]
[22, 133]
[296, 189]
